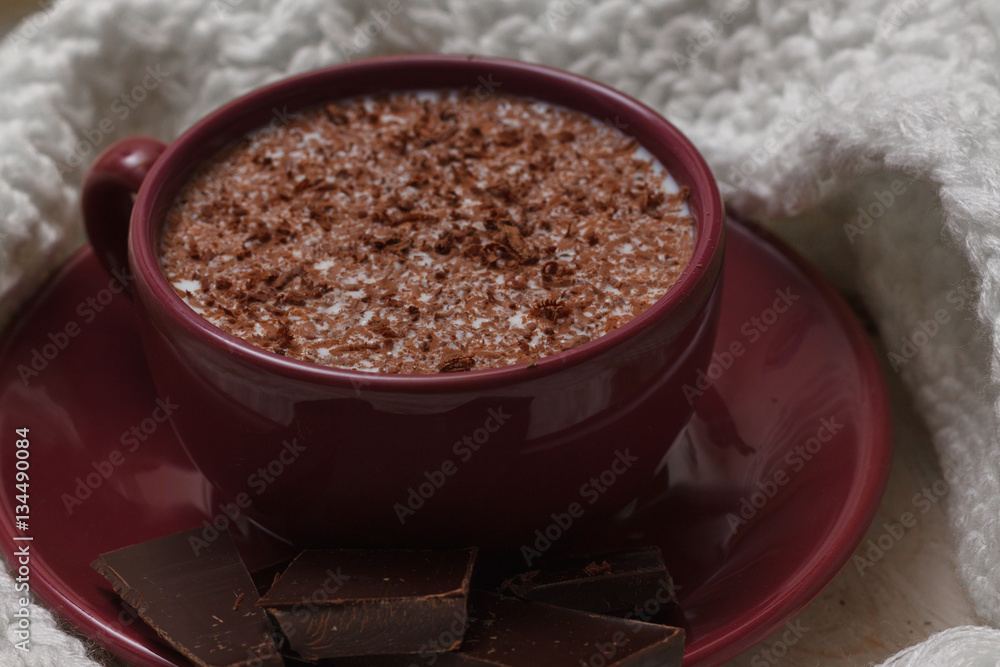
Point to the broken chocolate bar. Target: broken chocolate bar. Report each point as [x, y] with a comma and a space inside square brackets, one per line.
[505, 632]
[197, 595]
[607, 583]
[356, 603]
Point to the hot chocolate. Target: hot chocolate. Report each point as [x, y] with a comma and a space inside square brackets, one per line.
[426, 233]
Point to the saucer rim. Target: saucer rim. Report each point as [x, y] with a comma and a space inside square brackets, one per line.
[793, 597]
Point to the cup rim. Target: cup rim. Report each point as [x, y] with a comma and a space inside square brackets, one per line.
[162, 300]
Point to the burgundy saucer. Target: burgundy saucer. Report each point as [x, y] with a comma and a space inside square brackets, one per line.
[770, 489]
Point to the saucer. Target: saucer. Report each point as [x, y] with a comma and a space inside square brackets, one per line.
[759, 504]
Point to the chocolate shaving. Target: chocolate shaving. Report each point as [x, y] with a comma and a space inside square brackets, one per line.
[509, 236]
[651, 200]
[385, 331]
[509, 137]
[440, 137]
[322, 218]
[393, 244]
[556, 273]
[550, 309]
[457, 364]
[287, 277]
[355, 347]
[336, 114]
[445, 244]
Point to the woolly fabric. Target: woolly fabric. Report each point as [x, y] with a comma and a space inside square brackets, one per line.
[866, 132]
[957, 647]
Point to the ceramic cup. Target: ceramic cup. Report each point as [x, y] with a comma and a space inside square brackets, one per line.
[515, 456]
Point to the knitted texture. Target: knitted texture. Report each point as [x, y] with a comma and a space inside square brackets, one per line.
[50, 646]
[957, 647]
[866, 132]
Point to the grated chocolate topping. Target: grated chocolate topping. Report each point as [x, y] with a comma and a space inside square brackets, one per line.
[427, 233]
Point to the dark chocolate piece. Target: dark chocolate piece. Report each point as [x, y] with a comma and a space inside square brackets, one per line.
[356, 603]
[197, 595]
[505, 632]
[607, 583]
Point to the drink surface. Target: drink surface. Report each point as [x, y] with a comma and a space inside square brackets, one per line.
[425, 232]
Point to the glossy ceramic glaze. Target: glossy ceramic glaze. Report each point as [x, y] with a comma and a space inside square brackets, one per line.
[327, 454]
[736, 586]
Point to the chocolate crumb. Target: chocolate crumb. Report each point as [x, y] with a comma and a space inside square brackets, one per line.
[593, 569]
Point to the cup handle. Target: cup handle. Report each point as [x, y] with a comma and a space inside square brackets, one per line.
[109, 191]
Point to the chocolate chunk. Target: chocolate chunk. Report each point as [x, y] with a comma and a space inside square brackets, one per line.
[357, 603]
[603, 583]
[504, 632]
[197, 595]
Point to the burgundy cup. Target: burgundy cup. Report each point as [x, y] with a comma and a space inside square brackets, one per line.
[507, 456]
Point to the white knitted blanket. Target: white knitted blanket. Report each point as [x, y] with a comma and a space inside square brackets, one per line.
[867, 132]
